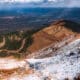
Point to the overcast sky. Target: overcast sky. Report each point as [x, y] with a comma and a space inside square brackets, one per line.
[48, 3]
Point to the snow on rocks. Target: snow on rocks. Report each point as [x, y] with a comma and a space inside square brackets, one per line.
[66, 64]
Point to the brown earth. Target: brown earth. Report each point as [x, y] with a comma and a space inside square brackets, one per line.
[56, 32]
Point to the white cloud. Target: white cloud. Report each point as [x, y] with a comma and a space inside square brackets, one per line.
[51, 3]
[21, 0]
[74, 3]
[52, 0]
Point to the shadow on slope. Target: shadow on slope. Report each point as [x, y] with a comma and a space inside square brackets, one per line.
[75, 27]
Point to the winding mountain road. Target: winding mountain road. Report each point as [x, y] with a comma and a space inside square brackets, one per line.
[15, 51]
[3, 42]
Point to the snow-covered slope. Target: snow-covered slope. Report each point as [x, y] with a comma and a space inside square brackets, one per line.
[65, 64]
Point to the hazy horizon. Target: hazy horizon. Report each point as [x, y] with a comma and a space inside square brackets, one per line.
[39, 3]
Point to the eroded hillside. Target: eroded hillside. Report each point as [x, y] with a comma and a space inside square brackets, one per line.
[58, 32]
[27, 43]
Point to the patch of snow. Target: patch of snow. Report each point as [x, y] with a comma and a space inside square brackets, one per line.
[6, 63]
[25, 77]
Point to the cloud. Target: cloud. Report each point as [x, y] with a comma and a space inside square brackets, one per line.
[46, 3]
[20, 0]
[74, 3]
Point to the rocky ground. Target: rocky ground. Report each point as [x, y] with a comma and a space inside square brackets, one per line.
[65, 64]
[53, 55]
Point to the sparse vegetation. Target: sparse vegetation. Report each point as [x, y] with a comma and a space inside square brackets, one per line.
[3, 54]
[1, 38]
[14, 43]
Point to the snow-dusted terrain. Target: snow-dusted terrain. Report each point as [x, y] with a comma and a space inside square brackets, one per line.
[65, 64]
[9, 63]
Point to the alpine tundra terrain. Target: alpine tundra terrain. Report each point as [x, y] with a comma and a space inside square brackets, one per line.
[51, 53]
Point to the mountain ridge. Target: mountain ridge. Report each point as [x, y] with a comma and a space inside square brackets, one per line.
[56, 32]
[27, 43]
